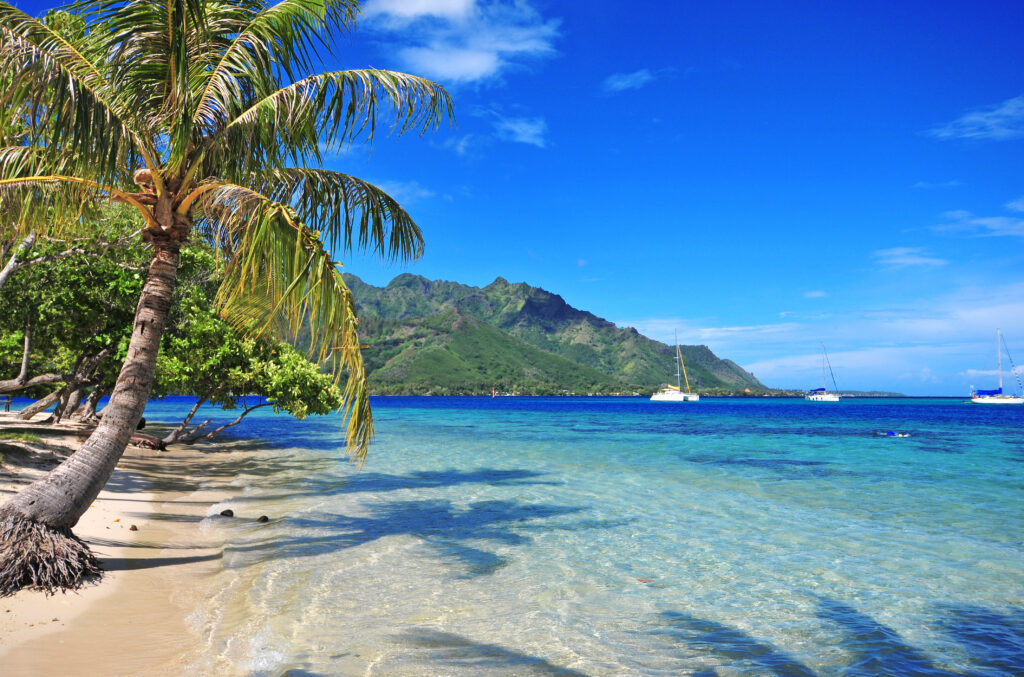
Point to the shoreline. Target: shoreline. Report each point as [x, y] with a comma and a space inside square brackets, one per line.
[135, 620]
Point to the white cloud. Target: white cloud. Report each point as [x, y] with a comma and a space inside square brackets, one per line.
[1016, 205]
[927, 346]
[408, 10]
[694, 332]
[450, 63]
[405, 192]
[905, 257]
[459, 144]
[463, 41]
[999, 122]
[815, 294]
[962, 222]
[930, 185]
[619, 82]
[521, 130]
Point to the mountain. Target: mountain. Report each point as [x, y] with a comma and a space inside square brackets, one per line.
[451, 353]
[448, 335]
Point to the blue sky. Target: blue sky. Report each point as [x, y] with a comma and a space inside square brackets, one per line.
[763, 176]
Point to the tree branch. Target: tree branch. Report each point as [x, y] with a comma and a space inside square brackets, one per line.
[178, 432]
[12, 265]
[15, 384]
[194, 436]
[23, 374]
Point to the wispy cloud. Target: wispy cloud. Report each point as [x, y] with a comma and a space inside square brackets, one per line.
[927, 346]
[815, 294]
[460, 144]
[693, 331]
[620, 82]
[935, 185]
[1016, 205]
[961, 222]
[406, 192]
[905, 257]
[463, 41]
[1000, 122]
[530, 131]
[407, 10]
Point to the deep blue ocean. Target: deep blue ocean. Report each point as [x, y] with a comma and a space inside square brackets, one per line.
[616, 536]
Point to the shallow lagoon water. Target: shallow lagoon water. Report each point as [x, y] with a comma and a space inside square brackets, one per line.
[615, 536]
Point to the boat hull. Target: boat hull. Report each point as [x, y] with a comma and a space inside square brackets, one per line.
[822, 397]
[997, 399]
[674, 396]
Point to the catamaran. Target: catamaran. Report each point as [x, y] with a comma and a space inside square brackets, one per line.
[676, 393]
[821, 394]
[996, 396]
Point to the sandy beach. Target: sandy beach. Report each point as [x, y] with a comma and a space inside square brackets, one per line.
[134, 621]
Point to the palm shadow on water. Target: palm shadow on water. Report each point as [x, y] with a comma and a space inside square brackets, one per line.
[434, 647]
[876, 649]
[987, 643]
[331, 484]
[994, 640]
[452, 532]
[728, 646]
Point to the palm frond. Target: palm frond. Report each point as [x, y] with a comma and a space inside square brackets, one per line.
[159, 48]
[66, 102]
[55, 198]
[278, 279]
[282, 34]
[290, 124]
[350, 214]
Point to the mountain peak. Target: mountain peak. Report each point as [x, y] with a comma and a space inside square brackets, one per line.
[541, 319]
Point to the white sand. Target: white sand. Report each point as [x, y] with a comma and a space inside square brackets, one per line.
[134, 622]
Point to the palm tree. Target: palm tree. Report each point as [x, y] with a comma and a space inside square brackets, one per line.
[202, 115]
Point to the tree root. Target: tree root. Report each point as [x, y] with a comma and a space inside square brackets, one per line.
[39, 557]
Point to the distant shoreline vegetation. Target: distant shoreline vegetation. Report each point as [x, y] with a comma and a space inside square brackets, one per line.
[778, 394]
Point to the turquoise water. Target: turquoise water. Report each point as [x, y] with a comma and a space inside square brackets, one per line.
[602, 536]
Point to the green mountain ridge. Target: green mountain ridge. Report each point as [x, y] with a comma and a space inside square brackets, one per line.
[453, 353]
[424, 333]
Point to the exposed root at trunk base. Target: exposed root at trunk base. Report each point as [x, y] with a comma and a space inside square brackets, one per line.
[39, 557]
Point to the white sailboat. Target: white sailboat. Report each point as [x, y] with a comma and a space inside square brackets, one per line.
[676, 393]
[996, 396]
[822, 394]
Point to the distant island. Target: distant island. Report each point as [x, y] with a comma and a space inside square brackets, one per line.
[428, 337]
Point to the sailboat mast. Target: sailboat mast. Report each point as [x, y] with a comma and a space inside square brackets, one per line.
[679, 383]
[824, 382]
[999, 356]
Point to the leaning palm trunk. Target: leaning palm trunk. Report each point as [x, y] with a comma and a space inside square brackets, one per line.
[38, 520]
[209, 118]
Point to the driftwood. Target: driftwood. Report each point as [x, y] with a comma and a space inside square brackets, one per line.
[148, 441]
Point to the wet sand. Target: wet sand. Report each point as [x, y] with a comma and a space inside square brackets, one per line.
[135, 620]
